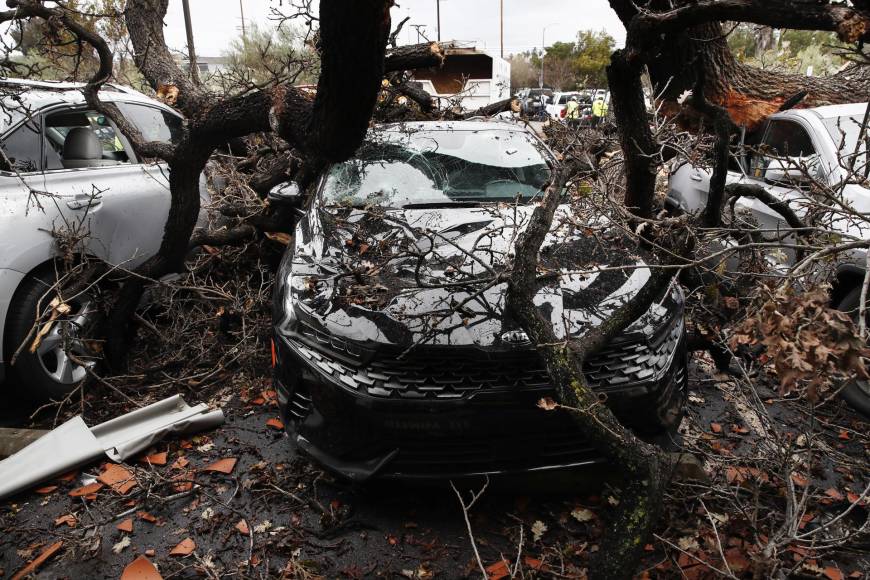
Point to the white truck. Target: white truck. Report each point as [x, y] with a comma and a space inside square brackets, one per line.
[827, 145]
[473, 78]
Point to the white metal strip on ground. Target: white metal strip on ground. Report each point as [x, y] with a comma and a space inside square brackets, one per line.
[74, 444]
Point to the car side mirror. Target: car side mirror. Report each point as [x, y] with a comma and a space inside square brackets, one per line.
[286, 194]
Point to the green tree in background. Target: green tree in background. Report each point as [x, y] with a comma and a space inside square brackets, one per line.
[270, 56]
[592, 55]
[567, 65]
[53, 54]
[795, 51]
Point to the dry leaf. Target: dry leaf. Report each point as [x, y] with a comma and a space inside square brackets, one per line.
[119, 547]
[118, 478]
[799, 480]
[534, 563]
[242, 527]
[180, 463]
[68, 476]
[280, 237]
[275, 424]
[146, 516]
[583, 515]
[498, 570]
[86, 490]
[716, 427]
[539, 528]
[834, 494]
[222, 466]
[548, 404]
[141, 569]
[68, 519]
[184, 548]
[125, 526]
[34, 564]
[156, 458]
[832, 573]
[688, 543]
[46, 490]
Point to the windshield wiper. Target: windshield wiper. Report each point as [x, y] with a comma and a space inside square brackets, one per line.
[438, 204]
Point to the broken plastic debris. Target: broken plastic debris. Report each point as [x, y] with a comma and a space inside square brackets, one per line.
[74, 443]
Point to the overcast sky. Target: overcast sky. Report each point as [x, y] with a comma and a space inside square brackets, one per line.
[216, 22]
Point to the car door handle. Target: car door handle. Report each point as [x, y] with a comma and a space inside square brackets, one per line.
[696, 177]
[84, 201]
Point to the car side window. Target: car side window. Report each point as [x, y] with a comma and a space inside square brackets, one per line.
[154, 124]
[22, 148]
[82, 138]
[783, 139]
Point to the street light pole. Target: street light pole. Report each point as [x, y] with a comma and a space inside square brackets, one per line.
[438, 12]
[501, 26]
[544, 49]
[242, 10]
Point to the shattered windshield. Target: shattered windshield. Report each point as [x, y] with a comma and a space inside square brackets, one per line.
[400, 169]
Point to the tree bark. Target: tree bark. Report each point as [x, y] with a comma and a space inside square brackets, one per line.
[643, 466]
[414, 56]
[638, 145]
[675, 43]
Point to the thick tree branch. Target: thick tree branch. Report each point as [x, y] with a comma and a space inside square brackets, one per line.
[738, 190]
[414, 56]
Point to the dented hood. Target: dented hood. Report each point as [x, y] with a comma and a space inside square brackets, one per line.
[425, 275]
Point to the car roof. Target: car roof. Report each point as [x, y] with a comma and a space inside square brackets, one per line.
[20, 97]
[831, 111]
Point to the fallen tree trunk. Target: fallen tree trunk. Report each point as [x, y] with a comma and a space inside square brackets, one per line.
[414, 56]
[680, 39]
[511, 104]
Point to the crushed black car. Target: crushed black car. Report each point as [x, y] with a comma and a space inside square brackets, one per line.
[394, 353]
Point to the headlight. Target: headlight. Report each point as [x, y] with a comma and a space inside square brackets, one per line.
[283, 306]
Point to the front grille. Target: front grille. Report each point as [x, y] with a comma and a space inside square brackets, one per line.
[506, 452]
[455, 373]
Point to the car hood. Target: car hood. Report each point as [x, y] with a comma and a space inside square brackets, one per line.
[401, 277]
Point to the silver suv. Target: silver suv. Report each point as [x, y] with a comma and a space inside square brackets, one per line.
[66, 168]
[802, 151]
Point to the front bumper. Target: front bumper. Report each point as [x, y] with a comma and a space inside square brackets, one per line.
[405, 420]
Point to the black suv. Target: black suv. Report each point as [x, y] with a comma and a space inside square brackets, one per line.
[394, 355]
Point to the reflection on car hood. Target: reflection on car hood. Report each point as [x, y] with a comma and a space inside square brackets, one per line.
[401, 277]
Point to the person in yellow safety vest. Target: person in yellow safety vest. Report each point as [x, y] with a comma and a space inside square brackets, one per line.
[572, 111]
[599, 111]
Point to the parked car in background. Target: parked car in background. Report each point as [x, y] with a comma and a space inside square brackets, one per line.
[66, 168]
[820, 143]
[559, 102]
[397, 382]
[534, 101]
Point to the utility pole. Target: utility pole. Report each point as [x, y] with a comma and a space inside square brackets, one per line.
[191, 51]
[438, 12]
[501, 26]
[242, 10]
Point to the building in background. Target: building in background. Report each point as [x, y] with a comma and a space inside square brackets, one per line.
[208, 66]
